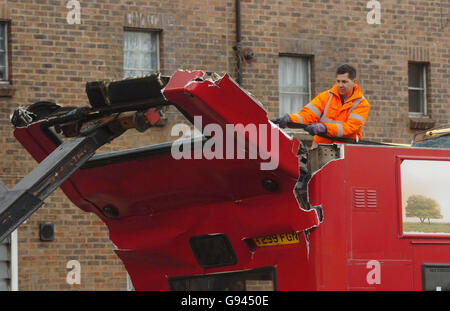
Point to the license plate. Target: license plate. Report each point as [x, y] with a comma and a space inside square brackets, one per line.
[277, 239]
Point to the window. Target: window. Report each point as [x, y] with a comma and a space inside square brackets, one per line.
[140, 53]
[417, 88]
[3, 51]
[424, 193]
[294, 83]
[8, 263]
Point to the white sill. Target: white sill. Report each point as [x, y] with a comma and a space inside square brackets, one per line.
[6, 89]
[417, 115]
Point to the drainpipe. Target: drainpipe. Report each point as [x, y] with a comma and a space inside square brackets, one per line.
[237, 48]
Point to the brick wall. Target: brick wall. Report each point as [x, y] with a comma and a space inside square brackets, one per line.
[52, 60]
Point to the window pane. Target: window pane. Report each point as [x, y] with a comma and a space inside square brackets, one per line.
[293, 74]
[293, 79]
[292, 103]
[4, 271]
[4, 285]
[3, 54]
[301, 78]
[5, 263]
[424, 193]
[284, 102]
[140, 53]
[282, 69]
[4, 252]
[416, 103]
[415, 75]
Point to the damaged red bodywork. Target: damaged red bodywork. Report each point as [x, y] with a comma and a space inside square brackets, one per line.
[162, 202]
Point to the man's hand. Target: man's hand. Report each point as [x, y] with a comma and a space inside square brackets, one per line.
[316, 128]
[283, 121]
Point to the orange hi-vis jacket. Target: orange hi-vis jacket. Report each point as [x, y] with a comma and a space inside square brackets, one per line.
[340, 120]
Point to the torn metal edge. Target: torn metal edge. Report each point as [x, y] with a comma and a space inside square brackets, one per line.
[341, 157]
[215, 77]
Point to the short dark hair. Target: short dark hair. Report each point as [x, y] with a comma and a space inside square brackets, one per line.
[346, 69]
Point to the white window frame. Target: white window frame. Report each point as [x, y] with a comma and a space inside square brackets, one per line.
[12, 261]
[4, 24]
[424, 89]
[14, 264]
[157, 33]
[308, 59]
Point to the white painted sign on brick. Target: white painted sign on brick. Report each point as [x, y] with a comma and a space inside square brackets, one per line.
[74, 15]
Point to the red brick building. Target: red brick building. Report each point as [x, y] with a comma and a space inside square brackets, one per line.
[289, 53]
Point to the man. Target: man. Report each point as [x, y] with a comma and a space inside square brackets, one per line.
[339, 112]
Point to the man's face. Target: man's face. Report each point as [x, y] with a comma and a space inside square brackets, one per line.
[345, 84]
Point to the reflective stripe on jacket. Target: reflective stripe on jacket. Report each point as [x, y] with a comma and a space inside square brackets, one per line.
[340, 120]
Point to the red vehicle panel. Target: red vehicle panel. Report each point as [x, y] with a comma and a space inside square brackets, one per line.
[360, 196]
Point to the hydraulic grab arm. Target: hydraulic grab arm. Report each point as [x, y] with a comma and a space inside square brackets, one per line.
[17, 204]
[107, 118]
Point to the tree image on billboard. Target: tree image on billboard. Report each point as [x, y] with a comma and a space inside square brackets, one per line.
[425, 197]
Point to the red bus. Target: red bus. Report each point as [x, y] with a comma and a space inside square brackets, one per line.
[194, 215]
